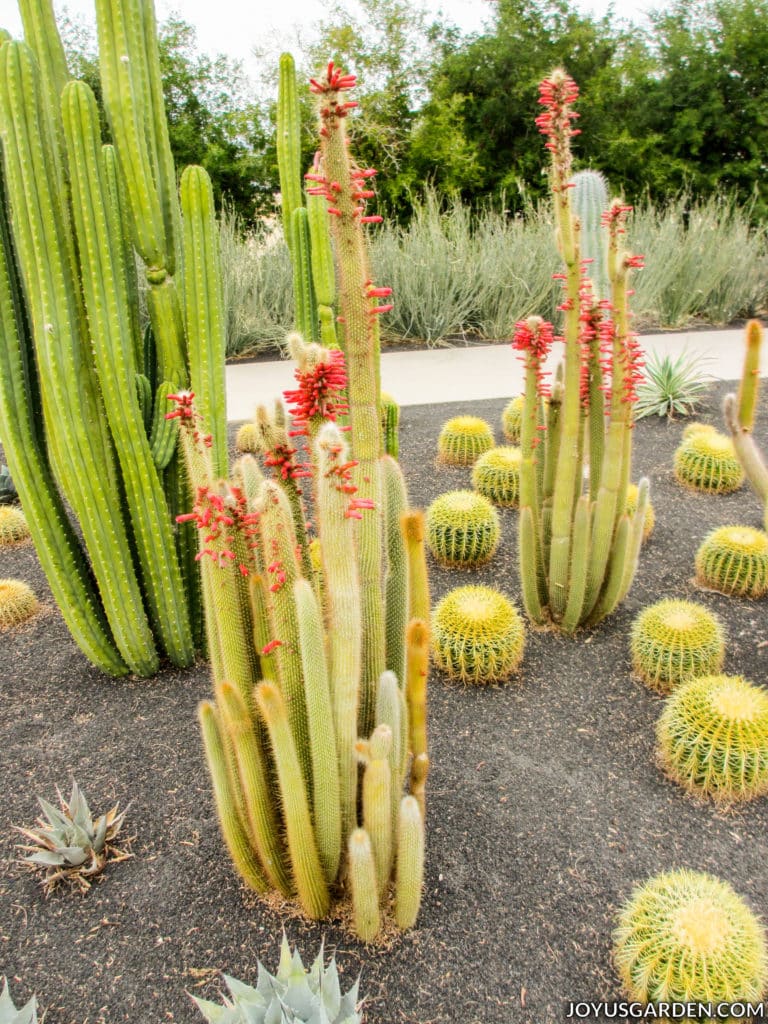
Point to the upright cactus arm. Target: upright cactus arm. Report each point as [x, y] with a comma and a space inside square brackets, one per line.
[306, 319]
[126, 253]
[204, 319]
[106, 299]
[412, 526]
[750, 377]
[396, 582]
[359, 302]
[84, 465]
[739, 412]
[57, 545]
[289, 146]
[323, 268]
[590, 201]
[416, 692]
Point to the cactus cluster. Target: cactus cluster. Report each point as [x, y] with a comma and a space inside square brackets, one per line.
[713, 738]
[734, 560]
[292, 995]
[477, 635]
[83, 390]
[675, 640]
[688, 937]
[512, 419]
[630, 507]
[496, 475]
[9, 1014]
[706, 461]
[739, 412]
[13, 525]
[316, 673]
[463, 529]
[463, 439]
[68, 844]
[17, 603]
[578, 545]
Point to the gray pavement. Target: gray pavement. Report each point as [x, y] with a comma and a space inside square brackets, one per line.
[467, 373]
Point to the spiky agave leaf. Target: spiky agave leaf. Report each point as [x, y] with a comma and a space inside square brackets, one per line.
[292, 995]
[26, 1014]
[671, 386]
[68, 844]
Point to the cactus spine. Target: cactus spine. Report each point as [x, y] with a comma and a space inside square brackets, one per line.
[739, 412]
[76, 409]
[578, 551]
[284, 752]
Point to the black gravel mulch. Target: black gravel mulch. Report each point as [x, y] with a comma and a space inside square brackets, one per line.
[545, 804]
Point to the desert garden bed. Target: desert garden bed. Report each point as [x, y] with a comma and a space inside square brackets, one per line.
[544, 802]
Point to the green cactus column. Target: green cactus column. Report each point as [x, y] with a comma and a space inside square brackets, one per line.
[739, 412]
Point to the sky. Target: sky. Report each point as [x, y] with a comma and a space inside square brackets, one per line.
[234, 27]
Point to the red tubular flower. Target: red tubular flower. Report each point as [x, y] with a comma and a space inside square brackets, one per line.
[633, 366]
[320, 394]
[271, 646]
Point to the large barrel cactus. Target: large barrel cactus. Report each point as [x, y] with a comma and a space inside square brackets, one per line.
[578, 545]
[83, 390]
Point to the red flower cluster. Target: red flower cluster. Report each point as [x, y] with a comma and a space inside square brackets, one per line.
[557, 94]
[342, 471]
[534, 338]
[186, 413]
[278, 571]
[633, 367]
[219, 517]
[320, 394]
[281, 458]
[615, 217]
[335, 81]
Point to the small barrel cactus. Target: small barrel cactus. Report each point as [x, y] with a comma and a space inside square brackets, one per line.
[734, 560]
[686, 936]
[477, 635]
[291, 996]
[463, 439]
[713, 737]
[512, 418]
[247, 439]
[13, 525]
[630, 508]
[673, 641]
[26, 1014]
[496, 475]
[707, 461]
[390, 424]
[17, 603]
[69, 844]
[462, 529]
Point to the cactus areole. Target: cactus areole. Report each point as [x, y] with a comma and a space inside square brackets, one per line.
[578, 546]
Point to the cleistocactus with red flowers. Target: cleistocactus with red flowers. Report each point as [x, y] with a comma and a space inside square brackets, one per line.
[314, 679]
[578, 547]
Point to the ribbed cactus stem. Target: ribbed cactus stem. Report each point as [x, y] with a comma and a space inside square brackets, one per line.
[361, 345]
[288, 145]
[410, 864]
[204, 320]
[302, 846]
[232, 828]
[106, 299]
[362, 881]
[326, 802]
[255, 782]
[126, 254]
[306, 320]
[278, 540]
[396, 580]
[42, 36]
[531, 550]
[377, 803]
[83, 465]
[342, 601]
[323, 269]
[581, 530]
[750, 376]
[413, 527]
[416, 693]
[390, 711]
[590, 200]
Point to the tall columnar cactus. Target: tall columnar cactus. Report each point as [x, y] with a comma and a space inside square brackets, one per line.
[82, 396]
[305, 221]
[297, 706]
[578, 546]
[739, 413]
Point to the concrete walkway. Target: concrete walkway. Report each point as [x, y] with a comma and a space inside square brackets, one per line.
[462, 373]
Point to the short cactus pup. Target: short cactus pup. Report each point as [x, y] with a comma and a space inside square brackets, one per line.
[739, 411]
[478, 635]
[706, 461]
[9, 1014]
[463, 439]
[675, 640]
[734, 560]
[713, 738]
[317, 724]
[17, 603]
[686, 936]
[512, 418]
[292, 995]
[579, 546]
[496, 475]
[463, 529]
